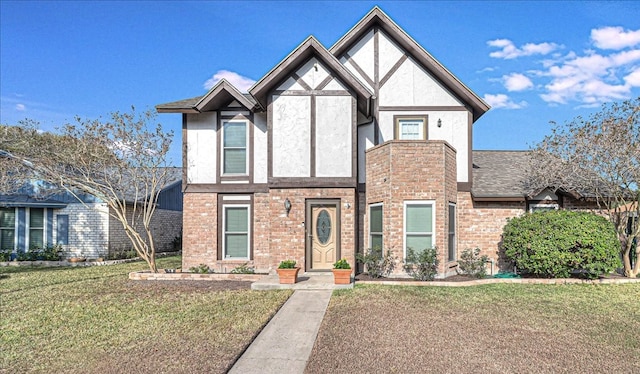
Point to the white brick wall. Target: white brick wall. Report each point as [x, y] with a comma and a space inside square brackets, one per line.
[88, 230]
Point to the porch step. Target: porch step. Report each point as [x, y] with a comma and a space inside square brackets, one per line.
[306, 281]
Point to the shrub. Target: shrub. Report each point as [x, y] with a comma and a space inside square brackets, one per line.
[200, 269]
[376, 263]
[472, 264]
[5, 255]
[341, 264]
[422, 265]
[287, 264]
[558, 243]
[243, 269]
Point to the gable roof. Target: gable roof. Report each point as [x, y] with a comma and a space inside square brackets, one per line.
[218, 96]
[376, 17]
[311, 47]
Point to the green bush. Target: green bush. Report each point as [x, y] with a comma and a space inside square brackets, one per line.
[422, 265]
[341, 264]
[472, 264]
[5, 255]
[376, 262]
[287, 264]
[555, 244]
[243, 269]
[201, 269]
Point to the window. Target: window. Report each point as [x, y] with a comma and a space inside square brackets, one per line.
[236, 232]
[36, 228]
[375, 226]
[411, 128]
[62, 229]
[542, 207]
[234, 147]
[452, 232]
[7, 228]
[418, 225]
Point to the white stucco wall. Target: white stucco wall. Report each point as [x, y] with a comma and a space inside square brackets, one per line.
[201, 147]
[88, 230]
[389, 54]
[365, 141]
[260, 150]
[363, 54]
[411, 85]
[291, 127]
[333, 136]
[454, 130]
[313, 73]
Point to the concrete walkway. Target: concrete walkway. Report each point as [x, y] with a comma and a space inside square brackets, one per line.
[285, 344]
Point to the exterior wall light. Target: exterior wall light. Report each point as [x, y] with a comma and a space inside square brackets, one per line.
[287, 206]
[439, 122]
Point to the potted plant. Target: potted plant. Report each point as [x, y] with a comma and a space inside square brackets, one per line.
[341, 272]
[288, 272]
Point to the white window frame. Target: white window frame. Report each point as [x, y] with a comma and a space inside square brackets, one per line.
[15, 229]
[534, 207]
[452, 231]
[422, 132]
[224, 231]
[381, 233]
[27, 239]
[404, 222]
[246, 147]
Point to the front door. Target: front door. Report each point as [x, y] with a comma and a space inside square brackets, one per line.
[323, 233]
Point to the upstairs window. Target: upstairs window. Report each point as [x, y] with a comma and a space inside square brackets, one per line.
[234, 147]
[411, 128]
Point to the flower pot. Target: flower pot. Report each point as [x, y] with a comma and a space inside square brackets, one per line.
[77, 259]
[288, 276]
[341, 276]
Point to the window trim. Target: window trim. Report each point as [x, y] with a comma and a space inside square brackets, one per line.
[15, 228]
[246, 147]
[28, 229]
[533, 207]
[224, 231]
[407, 203]
[381, 233]
[452, 254]
[398, 118]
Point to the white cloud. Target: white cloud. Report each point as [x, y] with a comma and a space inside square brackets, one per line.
[21, 107]
[633, 79]
[503, 101]
[508, 50]
[240, 82]
[516, 82]
[614, 37]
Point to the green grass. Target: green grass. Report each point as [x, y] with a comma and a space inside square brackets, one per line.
[94, 319]
[493, 328]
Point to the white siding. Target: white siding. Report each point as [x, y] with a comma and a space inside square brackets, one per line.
[260, 148]
[291, 127]
[313, 73]
[333, 136]
[201, 148]
[411, 85]
[454, 130]
[365, 141]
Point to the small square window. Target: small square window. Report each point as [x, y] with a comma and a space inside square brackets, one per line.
[411, 128]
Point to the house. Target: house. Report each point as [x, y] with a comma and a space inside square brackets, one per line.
[84, 228]
[364, 144]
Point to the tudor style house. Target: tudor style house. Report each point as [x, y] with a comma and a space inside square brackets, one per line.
[365, 144]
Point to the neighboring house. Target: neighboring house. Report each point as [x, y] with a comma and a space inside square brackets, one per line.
[365, 144]
[83, 228]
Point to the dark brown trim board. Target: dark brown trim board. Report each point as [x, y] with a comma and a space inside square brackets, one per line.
[317, 182]
[424, 108]
[245, 188]
[393, 69]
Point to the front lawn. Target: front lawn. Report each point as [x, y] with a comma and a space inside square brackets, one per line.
[94, 319]
[502, 328]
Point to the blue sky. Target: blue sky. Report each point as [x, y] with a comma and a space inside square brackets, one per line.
[534, 62]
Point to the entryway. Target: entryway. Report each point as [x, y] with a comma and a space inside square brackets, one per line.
[322, 234]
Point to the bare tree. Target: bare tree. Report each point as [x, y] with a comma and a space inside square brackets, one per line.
[122, 161]
[598, 158]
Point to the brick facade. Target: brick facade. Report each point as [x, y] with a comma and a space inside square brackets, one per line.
[274, 235]
[399, 171]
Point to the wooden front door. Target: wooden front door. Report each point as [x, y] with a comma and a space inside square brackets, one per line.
[323, 234]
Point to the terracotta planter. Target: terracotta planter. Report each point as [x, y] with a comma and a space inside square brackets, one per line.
[288, 276]
[341, 276]
[77, 259]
